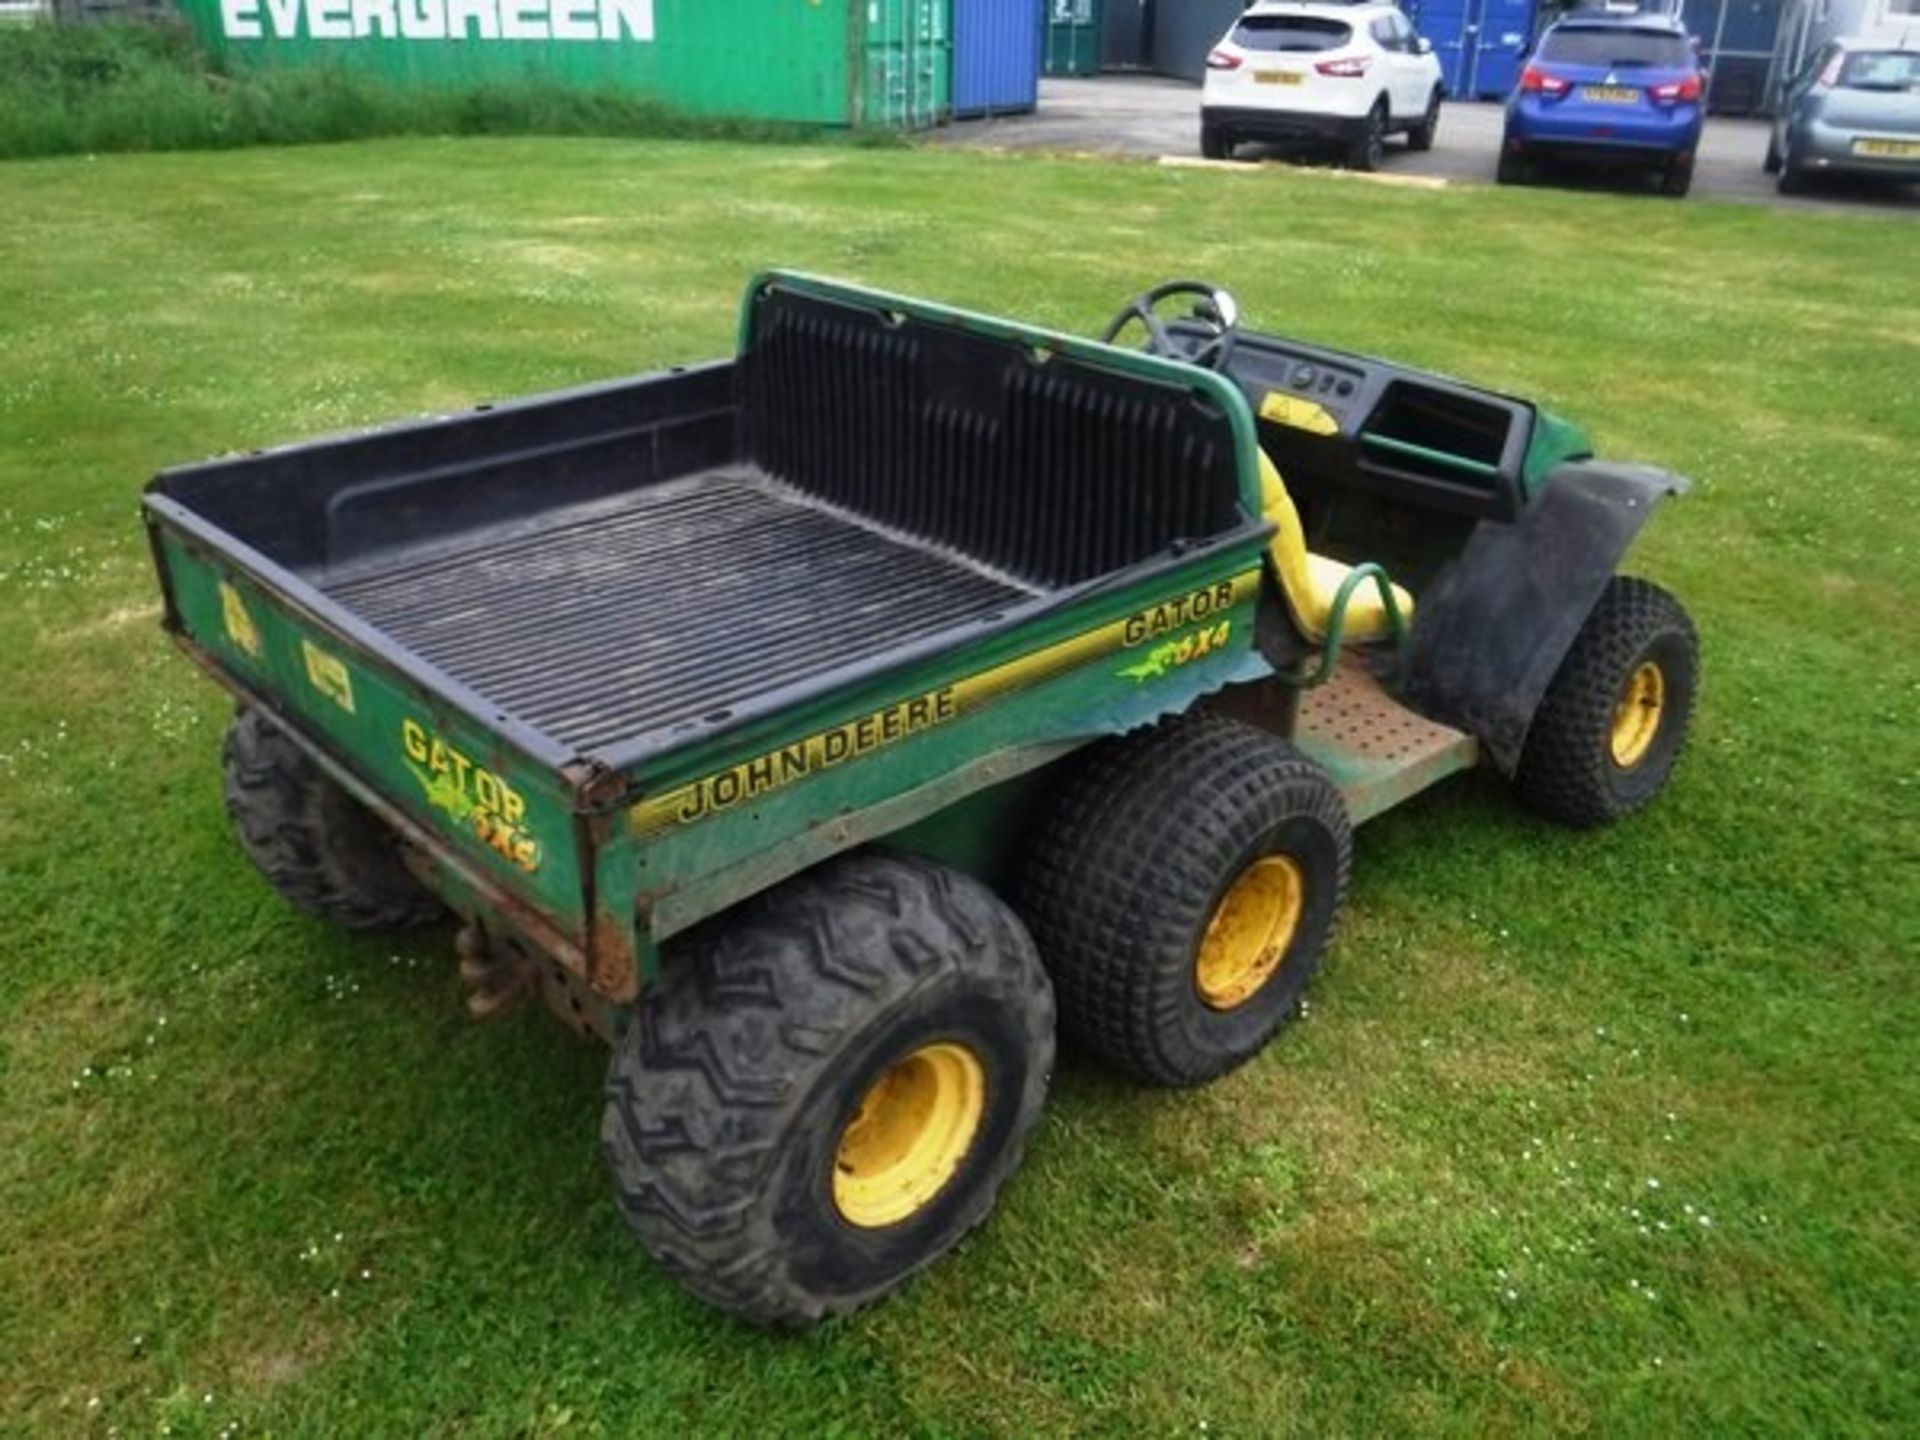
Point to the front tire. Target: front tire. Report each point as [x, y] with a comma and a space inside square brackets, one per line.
[830, 1090]
[1616, 716]
[1182, 893]
[317, 845]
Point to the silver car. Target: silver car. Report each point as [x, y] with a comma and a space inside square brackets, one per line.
[1854, 110]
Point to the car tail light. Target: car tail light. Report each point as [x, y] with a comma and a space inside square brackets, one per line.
[1830, 76]
[1348, 69]
[1535, 81]
[1223, 60]
[1677, 91]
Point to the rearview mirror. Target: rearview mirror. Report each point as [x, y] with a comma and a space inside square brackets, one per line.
[1422, 45]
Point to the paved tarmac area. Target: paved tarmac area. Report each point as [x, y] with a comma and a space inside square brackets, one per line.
[1154, 116]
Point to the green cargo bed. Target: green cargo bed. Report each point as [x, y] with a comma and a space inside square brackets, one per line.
[616, 657]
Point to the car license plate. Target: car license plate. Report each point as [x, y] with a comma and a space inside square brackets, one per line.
[1610, 94]
[1888, 149]
[1277, 77]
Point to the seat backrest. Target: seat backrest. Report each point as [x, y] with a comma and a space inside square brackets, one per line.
[1051, 467]
[1288, 548]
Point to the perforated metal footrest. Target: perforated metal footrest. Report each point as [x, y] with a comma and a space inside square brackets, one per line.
[1377, 750]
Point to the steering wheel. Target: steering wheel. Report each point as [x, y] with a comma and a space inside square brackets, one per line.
[1212, 307]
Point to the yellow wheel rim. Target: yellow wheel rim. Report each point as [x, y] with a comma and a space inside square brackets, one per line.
[910, 1133]
[1250, 931]
[1636, 718]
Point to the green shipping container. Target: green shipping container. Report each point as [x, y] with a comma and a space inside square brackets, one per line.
[829, 62]
[1073, 37]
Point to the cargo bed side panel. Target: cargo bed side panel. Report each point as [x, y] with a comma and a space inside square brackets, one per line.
[718, 823]
[500, 812]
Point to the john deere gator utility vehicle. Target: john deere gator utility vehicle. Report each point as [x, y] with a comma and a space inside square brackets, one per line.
[816, 725]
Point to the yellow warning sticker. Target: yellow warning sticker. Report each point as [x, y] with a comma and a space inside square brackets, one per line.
[240, 627]
[1284, 409]
[329, 676]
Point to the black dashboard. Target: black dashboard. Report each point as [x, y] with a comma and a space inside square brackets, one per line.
[1334, 421]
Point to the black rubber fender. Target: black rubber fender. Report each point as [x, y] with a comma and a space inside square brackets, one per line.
[1493, 627]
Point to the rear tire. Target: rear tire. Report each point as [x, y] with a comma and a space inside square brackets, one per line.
[1368, 148]
[1676, 180]
[828, 1093]
[1594, 753]
[317, 845]
[1772, 163]
[1215, 144]
[1163, 848]
[1512, 170]
[1420, 136]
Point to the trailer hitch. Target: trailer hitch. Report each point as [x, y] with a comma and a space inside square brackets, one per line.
[496, 979]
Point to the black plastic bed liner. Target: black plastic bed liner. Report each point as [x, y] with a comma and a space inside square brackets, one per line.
[614, 619]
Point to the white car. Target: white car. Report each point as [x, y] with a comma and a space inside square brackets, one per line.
[1313, 70]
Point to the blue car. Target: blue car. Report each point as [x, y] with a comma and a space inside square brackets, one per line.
[1612, 89]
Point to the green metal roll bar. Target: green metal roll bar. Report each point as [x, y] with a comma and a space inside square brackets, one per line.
[1337, 624]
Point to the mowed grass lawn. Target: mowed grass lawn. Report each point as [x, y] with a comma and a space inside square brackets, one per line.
[1611, 1132]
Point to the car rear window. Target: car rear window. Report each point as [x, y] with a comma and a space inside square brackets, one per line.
[1290, 32]
[1881, 70]
[1616, 47]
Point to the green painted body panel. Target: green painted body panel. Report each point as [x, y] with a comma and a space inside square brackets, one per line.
[689, 868]
[1554, 440]
[983, 834]
[389, 733]
[825, 62]
[1073, 37]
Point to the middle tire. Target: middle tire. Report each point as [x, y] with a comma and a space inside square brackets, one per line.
[1182, 893]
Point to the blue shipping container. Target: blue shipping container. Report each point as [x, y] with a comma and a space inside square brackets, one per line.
[996, 55]
[1478, 42]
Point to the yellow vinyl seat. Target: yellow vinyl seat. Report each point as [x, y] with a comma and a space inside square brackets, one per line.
[1310, 582]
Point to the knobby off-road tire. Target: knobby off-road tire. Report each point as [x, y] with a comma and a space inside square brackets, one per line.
[734, 1099]
[1594, 752]
[1142, 873]
[316, 844]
